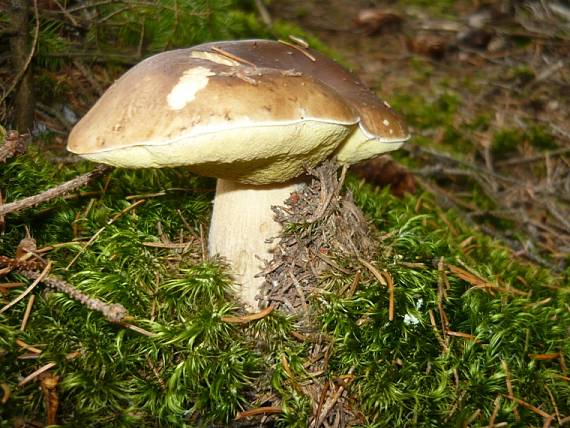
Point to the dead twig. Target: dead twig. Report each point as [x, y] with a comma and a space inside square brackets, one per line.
[38, 277]
[112, 312]
[54, 192]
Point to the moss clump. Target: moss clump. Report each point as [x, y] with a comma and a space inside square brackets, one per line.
[198, 369]
[507, 141]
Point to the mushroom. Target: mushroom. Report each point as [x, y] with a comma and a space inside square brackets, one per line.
[254, 114]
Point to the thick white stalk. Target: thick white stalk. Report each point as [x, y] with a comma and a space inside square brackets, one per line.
[242, 221]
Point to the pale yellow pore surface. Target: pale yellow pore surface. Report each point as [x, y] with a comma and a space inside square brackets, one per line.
[361, 146]
[256, 154]
[242, 221]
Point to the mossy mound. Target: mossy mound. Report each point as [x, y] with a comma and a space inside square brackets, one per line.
[476, 334]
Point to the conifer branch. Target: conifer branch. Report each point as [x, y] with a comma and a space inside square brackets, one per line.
[54, 192]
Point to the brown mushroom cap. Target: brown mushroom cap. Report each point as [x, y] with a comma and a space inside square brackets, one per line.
[377, 119]
[252, 111]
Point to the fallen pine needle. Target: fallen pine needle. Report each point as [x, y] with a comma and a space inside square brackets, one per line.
[35, 374]
[544, 357]
[5, 393]
[258, 411]
[385, 279]
[248, 318]
[479, 283]
[27, 347]
[509, 386]
[530, 407]
[100, 231]
[170, 245]
[336, 396]
[463, 335]
[496, 408]
[138, 329]
[553, 401]
[29, 289]
[31, 301]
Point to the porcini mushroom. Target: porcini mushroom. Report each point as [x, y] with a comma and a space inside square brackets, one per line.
[254, 114]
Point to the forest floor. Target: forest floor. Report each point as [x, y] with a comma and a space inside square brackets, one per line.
[484, 85]
[441, 325]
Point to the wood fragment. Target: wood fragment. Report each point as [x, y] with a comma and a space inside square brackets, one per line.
[299, 41]
[263, 12]
[479, 283]
[442, 342]
[14, 144]
[322, 399]
[330, 405]
[169, 245]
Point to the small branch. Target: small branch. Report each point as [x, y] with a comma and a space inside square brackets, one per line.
[112, 312]
[54, 192]
[38, 277]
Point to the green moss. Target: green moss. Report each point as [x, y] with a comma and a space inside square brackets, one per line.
[198, 369]
[521, 74]
[506, 141]
[541, 138]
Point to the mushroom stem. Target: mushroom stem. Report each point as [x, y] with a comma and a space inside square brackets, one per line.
[242, 222]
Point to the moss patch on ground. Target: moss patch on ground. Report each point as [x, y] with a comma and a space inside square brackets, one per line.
[474, 329]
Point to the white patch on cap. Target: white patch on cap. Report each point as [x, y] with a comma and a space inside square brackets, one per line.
[386, 122]
[192, 81]
[215, 57]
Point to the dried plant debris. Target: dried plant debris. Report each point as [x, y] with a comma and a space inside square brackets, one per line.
[319, 226]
